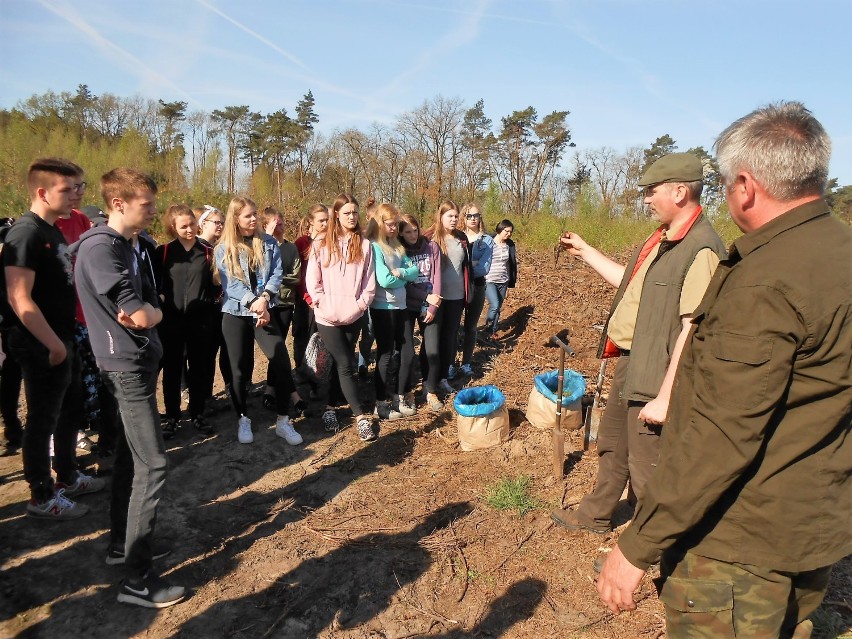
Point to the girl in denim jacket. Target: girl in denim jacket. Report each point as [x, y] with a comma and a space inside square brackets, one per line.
[481, 249]
[248, 263]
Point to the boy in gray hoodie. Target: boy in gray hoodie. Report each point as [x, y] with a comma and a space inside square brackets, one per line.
[119, 298]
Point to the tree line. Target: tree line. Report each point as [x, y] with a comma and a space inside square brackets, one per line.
[518, 165]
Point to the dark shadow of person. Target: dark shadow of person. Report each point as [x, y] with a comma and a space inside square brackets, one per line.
[516, 324]
[233, 526]
[350, 586]
[515, 605]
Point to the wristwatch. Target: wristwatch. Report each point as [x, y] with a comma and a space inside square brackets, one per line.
[267, 296]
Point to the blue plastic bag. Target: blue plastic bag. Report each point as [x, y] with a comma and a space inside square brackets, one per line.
[573, 386]
[478, 401]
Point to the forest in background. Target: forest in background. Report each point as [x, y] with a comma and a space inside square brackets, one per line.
[523, 166]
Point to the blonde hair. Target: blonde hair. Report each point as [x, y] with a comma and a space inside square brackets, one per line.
[234, 242]
[335, 232]
[172, 214]
[462, 223]
[439, 233]
[306, 222]
[377, 231]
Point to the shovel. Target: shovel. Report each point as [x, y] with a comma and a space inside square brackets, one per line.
[558, 435]
[593, 414]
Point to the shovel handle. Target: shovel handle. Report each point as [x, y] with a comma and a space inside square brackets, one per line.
[565, 347]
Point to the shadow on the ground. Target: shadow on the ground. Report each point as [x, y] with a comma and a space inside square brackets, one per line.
[348, 586]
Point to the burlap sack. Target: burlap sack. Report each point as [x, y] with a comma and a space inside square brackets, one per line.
[484, 431]
[541, 412]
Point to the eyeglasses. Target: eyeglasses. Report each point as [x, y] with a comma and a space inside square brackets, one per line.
[216, 222]
[79, 187]
[475, 216]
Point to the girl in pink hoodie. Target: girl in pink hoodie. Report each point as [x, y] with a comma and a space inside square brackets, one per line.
[340, 280]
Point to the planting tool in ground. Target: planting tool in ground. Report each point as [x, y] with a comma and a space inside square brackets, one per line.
[558, 434]
[593, 413]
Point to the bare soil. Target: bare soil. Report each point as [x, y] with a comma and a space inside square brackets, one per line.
[340, 539]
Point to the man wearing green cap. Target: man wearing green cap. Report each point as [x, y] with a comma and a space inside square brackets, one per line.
[750, 505]
[658, 291]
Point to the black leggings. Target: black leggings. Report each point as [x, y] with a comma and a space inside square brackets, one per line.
[430, 352]
[340, 342]
[449, 317]
[282, 316]
[186, 345]
[240, 334]
[394, 331]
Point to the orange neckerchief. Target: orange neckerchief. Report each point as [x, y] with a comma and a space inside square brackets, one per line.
[610, 349]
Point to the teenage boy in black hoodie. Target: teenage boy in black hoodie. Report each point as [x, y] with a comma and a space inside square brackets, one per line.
[119, 300]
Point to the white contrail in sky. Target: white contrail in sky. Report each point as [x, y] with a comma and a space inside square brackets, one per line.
[126, 60]
[253, 34]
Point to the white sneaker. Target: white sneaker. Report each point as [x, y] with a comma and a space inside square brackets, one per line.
[57, 508]
[444, 387]
[404, 406]
[244, 434]
[83, 485]
[285, 430]
[434, 403]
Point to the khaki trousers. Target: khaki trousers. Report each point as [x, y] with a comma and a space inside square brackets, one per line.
[627, 449]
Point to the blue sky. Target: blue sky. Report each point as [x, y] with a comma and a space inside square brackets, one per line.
[627, 70]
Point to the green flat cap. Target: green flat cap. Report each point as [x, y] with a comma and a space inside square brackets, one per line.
[675, 167]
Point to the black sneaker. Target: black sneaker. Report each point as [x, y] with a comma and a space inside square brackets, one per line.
[200, 424]
[115, 554]
[150, 592]
[299, 408]
[170, 427]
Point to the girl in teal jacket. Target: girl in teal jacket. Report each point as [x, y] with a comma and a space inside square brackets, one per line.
[392, 325]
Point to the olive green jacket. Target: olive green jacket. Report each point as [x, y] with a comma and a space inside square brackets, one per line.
[756, 454]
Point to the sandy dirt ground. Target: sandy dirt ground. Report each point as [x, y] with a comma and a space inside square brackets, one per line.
[336, 538]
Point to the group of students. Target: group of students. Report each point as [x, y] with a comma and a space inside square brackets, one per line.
[95, 288]
[391, 276]
[232, 280]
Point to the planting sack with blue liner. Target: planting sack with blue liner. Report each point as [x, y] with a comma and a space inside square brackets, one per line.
[482, 417]
[541, 406]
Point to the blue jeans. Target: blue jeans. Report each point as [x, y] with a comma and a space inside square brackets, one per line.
[54, 408]
[140, 467]
[495, 293]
